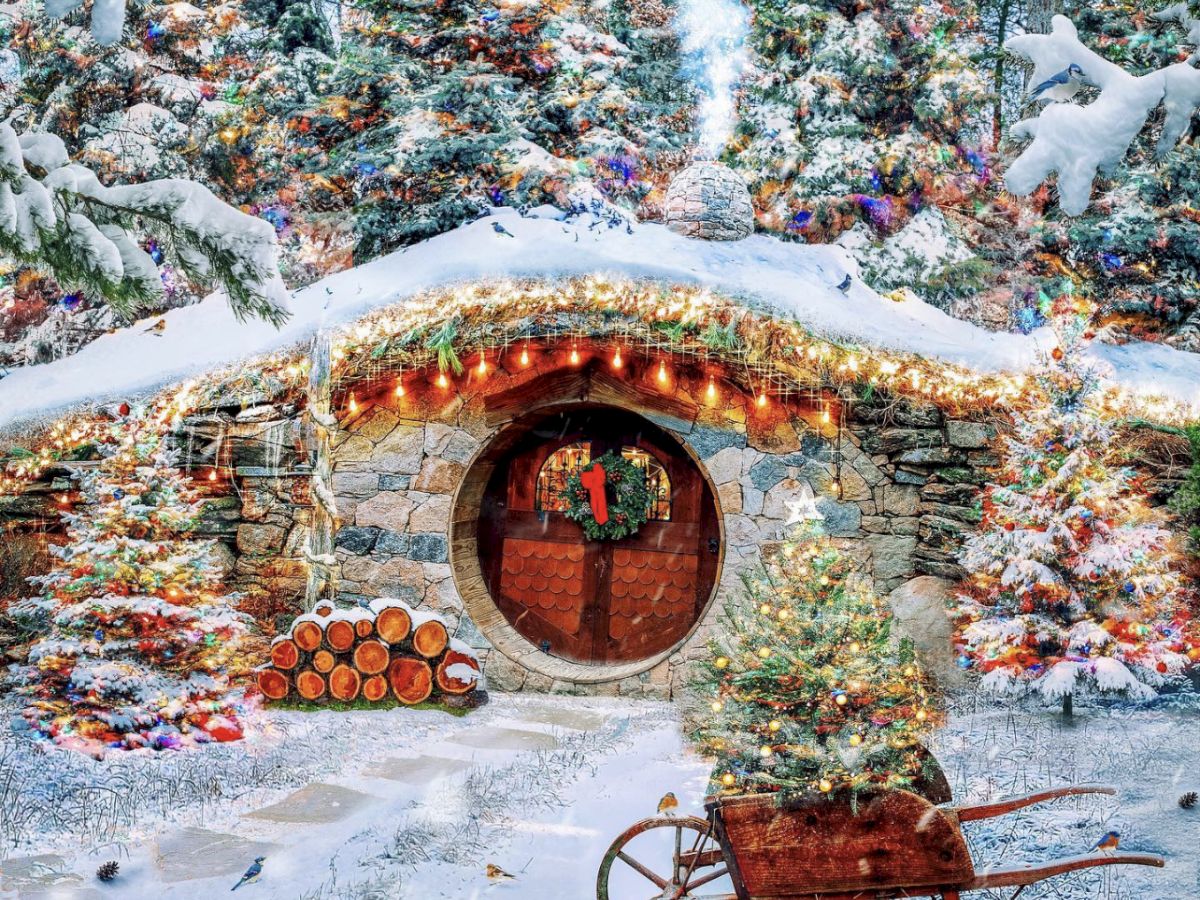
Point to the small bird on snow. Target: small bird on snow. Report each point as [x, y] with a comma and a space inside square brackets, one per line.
[500, 229]
[158, 327]
[844, 284]
[252, 874]
[1060, 87]
[497, 875]
[668, 803]
[1108, 843]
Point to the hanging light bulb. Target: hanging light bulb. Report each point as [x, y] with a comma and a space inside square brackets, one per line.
[662, 372]
[442, 380]
[525, 354]
[353, 405]
[711, 391]
[212, 474]
[574, 354]
[825, 415]
[617, 362]
[482, 368]
[762, 398]
[399, 392]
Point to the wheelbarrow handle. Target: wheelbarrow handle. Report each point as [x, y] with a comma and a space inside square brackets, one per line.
[1011, 804]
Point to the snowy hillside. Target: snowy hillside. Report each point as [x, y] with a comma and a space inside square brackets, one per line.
[796, 280]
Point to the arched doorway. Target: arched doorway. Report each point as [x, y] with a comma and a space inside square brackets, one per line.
[596, 602]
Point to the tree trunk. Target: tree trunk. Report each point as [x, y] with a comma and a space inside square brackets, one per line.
[307, 635]
[323, 661]
[1068, 708]
[371, 657]
[339, 634]
[393, 624]
[430, 638]
[322, 578]
[285, 654]
[273, 684]
[998, 70]
[411, 679]
[310, 685]
[344, 683]
[375, 688]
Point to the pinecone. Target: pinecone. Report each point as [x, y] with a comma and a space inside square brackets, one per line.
[1188, 800]
[108, 871]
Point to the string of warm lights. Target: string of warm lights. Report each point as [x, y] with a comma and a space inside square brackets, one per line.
[770, 355]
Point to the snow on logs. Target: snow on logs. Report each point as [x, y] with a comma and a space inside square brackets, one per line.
[390, 649]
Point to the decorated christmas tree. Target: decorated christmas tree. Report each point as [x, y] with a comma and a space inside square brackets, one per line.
[808, 691]
[139, 639]
[1071, 583]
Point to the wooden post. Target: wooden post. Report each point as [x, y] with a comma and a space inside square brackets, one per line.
[322, 574]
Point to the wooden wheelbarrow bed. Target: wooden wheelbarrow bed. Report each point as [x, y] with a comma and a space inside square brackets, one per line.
[888, 844]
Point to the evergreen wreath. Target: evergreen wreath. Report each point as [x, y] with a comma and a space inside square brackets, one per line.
[627, 495]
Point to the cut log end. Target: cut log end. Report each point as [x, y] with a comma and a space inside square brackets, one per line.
[285, 655]
[452, 677]
[393, 624]
[371, 657]
[430, 638]
[339, 634]
[310, 685]
[323, 661]
[364, 628]
[273, 684]
[307, 635]
[344, 682]
[411, 679]
[374, 688]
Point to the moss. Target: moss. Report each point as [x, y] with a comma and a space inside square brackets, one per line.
[360, 703]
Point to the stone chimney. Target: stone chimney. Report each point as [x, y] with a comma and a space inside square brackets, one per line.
[709, 201]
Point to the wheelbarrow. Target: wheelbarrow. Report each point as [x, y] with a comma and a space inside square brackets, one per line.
[813, 847]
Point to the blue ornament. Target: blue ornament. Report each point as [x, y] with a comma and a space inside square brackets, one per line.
[964, 662]
[98, 634]
[800, 221]
[1130, 587]
[155, 251]
[71, 302]
[154, 31]
[118, 493]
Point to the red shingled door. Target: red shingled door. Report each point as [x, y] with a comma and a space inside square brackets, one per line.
[598, 601]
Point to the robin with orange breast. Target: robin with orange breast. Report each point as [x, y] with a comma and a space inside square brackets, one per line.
[668, 804]
[1108, 843]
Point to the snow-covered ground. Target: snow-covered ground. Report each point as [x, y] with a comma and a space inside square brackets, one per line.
[799, 281]
[415, 804]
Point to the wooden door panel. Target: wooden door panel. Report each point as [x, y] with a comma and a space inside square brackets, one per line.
[653, 599]
[547, 580]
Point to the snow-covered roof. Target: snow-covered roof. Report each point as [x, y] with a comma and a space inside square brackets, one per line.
[797, 280]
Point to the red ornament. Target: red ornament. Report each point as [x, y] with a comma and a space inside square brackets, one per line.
[1057, 353]
[123, 410]
[1162, 666]
[1010, 526]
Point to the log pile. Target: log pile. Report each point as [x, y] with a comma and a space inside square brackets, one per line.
[388, 650]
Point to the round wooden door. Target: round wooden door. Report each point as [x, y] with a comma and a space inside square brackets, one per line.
[598, 601]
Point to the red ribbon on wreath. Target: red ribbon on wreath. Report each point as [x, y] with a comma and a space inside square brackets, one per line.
[594, 480]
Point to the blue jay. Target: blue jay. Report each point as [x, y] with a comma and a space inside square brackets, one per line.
[844, 284]
[500, 229]
[1060, 87]
[252, 873]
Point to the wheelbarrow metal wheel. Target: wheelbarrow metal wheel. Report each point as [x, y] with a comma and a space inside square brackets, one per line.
[695, 861]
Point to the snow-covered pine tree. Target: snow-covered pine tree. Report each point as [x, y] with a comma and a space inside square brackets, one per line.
[867, 116]
[139, 638]
[1071, 586]
[807, 690]
[56, 215]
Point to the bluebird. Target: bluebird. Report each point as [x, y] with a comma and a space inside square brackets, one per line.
[1062, 86]
[252, 874]
[1108, 843]
[500, 229]
[668, 804]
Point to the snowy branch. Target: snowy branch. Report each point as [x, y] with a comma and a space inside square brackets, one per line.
[108, 17]
[57, 214]
[1077, 142]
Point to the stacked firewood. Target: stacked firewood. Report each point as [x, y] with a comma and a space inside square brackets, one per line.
[390, 648]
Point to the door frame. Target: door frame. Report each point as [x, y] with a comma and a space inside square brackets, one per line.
[472, 582]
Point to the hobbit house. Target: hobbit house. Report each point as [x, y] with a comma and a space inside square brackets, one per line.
[433, 447]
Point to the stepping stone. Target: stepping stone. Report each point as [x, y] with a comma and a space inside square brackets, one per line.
[417, 769]
[314, 804]
[489, 738]
[24, 873]
[199, 853]
[575, 719]
[62, 893]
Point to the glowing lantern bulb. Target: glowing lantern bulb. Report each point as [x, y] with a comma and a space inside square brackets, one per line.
[762, 398]
[842, 700]
[721, 662]
[855, 646]
[765, 751]
[212, 474]
[717, 706]
[774, 724]
[482, 365]
[909, 671]
[728, 779]
[825, 415]
[855, 740]
[764, 652]
[399, 388]
[765, 609]
[711, 391]
[353, 405]
[574, 356]
[525, 355]
[922, 715]
[662, 372]
[616, 360]
[825, 785]
[442, 381]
